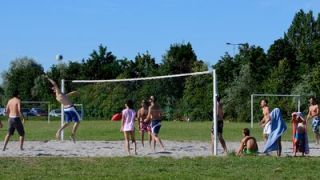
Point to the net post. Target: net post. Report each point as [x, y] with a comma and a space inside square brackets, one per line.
[299, 103]
[251, 111]
[62, 112]
[214, 84]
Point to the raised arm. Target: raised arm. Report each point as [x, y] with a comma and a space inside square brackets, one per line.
[55, 85]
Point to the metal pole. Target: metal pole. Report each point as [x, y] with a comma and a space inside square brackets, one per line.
[299, 103]
[215, 150]
[62, 112]
[251, 111]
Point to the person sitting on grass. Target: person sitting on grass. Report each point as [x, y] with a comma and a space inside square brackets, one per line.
[248, 144]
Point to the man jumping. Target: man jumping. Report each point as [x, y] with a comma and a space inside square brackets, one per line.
[69, 111]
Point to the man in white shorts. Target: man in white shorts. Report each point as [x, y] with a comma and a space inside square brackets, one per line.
[265, 122]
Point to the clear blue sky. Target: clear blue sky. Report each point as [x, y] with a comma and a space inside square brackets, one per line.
[43, 28]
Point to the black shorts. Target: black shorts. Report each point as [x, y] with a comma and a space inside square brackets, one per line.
[15, 123]
[220, 127]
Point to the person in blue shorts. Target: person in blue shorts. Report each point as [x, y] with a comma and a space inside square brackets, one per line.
[154, 115]
[70, 111]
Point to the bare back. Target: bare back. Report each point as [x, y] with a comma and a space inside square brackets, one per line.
[13, 108]
[250, 143]
[142, 114]
[154, 112]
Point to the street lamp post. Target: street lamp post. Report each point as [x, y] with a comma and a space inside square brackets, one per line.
[234, 46]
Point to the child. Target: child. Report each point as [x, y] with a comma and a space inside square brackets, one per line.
[144, 127]
[127, 125]
[299, 134]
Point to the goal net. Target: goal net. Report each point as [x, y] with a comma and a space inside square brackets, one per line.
[288, 103]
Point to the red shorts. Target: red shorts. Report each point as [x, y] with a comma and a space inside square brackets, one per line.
[145, 126]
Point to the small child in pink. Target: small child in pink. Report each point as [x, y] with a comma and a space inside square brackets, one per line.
[127, 125]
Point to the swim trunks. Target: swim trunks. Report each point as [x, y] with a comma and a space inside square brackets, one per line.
[315, 124]
[70, 114]
[155, 126]
[15, 124]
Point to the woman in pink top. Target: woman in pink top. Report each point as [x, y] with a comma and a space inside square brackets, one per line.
[127, 126]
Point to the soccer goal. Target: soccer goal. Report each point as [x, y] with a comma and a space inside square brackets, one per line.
[296, 99]
[157, 79]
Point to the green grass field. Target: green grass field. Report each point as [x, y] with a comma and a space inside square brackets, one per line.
[160, 168]
[109, 131]
[229, 167]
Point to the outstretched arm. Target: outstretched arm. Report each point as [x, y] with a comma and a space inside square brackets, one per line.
[239, 152]
[53, 83]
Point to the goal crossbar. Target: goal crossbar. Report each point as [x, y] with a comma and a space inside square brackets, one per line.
[143, 78]
[272, 95]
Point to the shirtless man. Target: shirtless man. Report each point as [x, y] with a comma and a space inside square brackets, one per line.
[314, 115]
[265, 121]
[13, 110]
[144, 126]
[154, 115]
[69, 111]
[248, 145]
[220, 115]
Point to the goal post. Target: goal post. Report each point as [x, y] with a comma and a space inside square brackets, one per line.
[273, 95]
[214, 99]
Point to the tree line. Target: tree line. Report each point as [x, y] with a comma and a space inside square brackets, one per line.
[291, 65]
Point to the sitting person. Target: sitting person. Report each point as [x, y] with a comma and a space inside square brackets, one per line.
[299, 134]
[248, 145]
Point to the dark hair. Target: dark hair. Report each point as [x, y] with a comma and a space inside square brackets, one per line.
[153, 98]
[264, 101]
[129, 103]
[313, 99]
[218, 98]
[246, 131]
[15, 93]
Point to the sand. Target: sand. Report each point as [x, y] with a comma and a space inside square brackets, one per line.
[175, 149]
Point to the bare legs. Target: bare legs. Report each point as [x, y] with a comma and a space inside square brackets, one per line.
[222, 141]
[127, 135]
[73, 132]
[6, 140]
[279, 150]
[317, 137]
[155, 139]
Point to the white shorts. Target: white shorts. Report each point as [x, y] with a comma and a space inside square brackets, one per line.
[267, 128]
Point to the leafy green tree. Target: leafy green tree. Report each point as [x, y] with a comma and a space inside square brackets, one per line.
[101, 65]
[21, 76]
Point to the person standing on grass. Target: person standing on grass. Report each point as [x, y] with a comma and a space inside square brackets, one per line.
[70, 111]
[154, 115]
[248, 144]
[314, 115]
[127, 126]
[13, 110]
[220, 115]
[265, 121]
[144, 126]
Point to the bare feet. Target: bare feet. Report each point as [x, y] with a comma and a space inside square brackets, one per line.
[73, 138]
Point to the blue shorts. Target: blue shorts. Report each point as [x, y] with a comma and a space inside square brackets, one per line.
[71, 114]
[315, 124]
[155, 126]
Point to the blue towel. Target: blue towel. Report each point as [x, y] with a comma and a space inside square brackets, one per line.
[278, 127]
